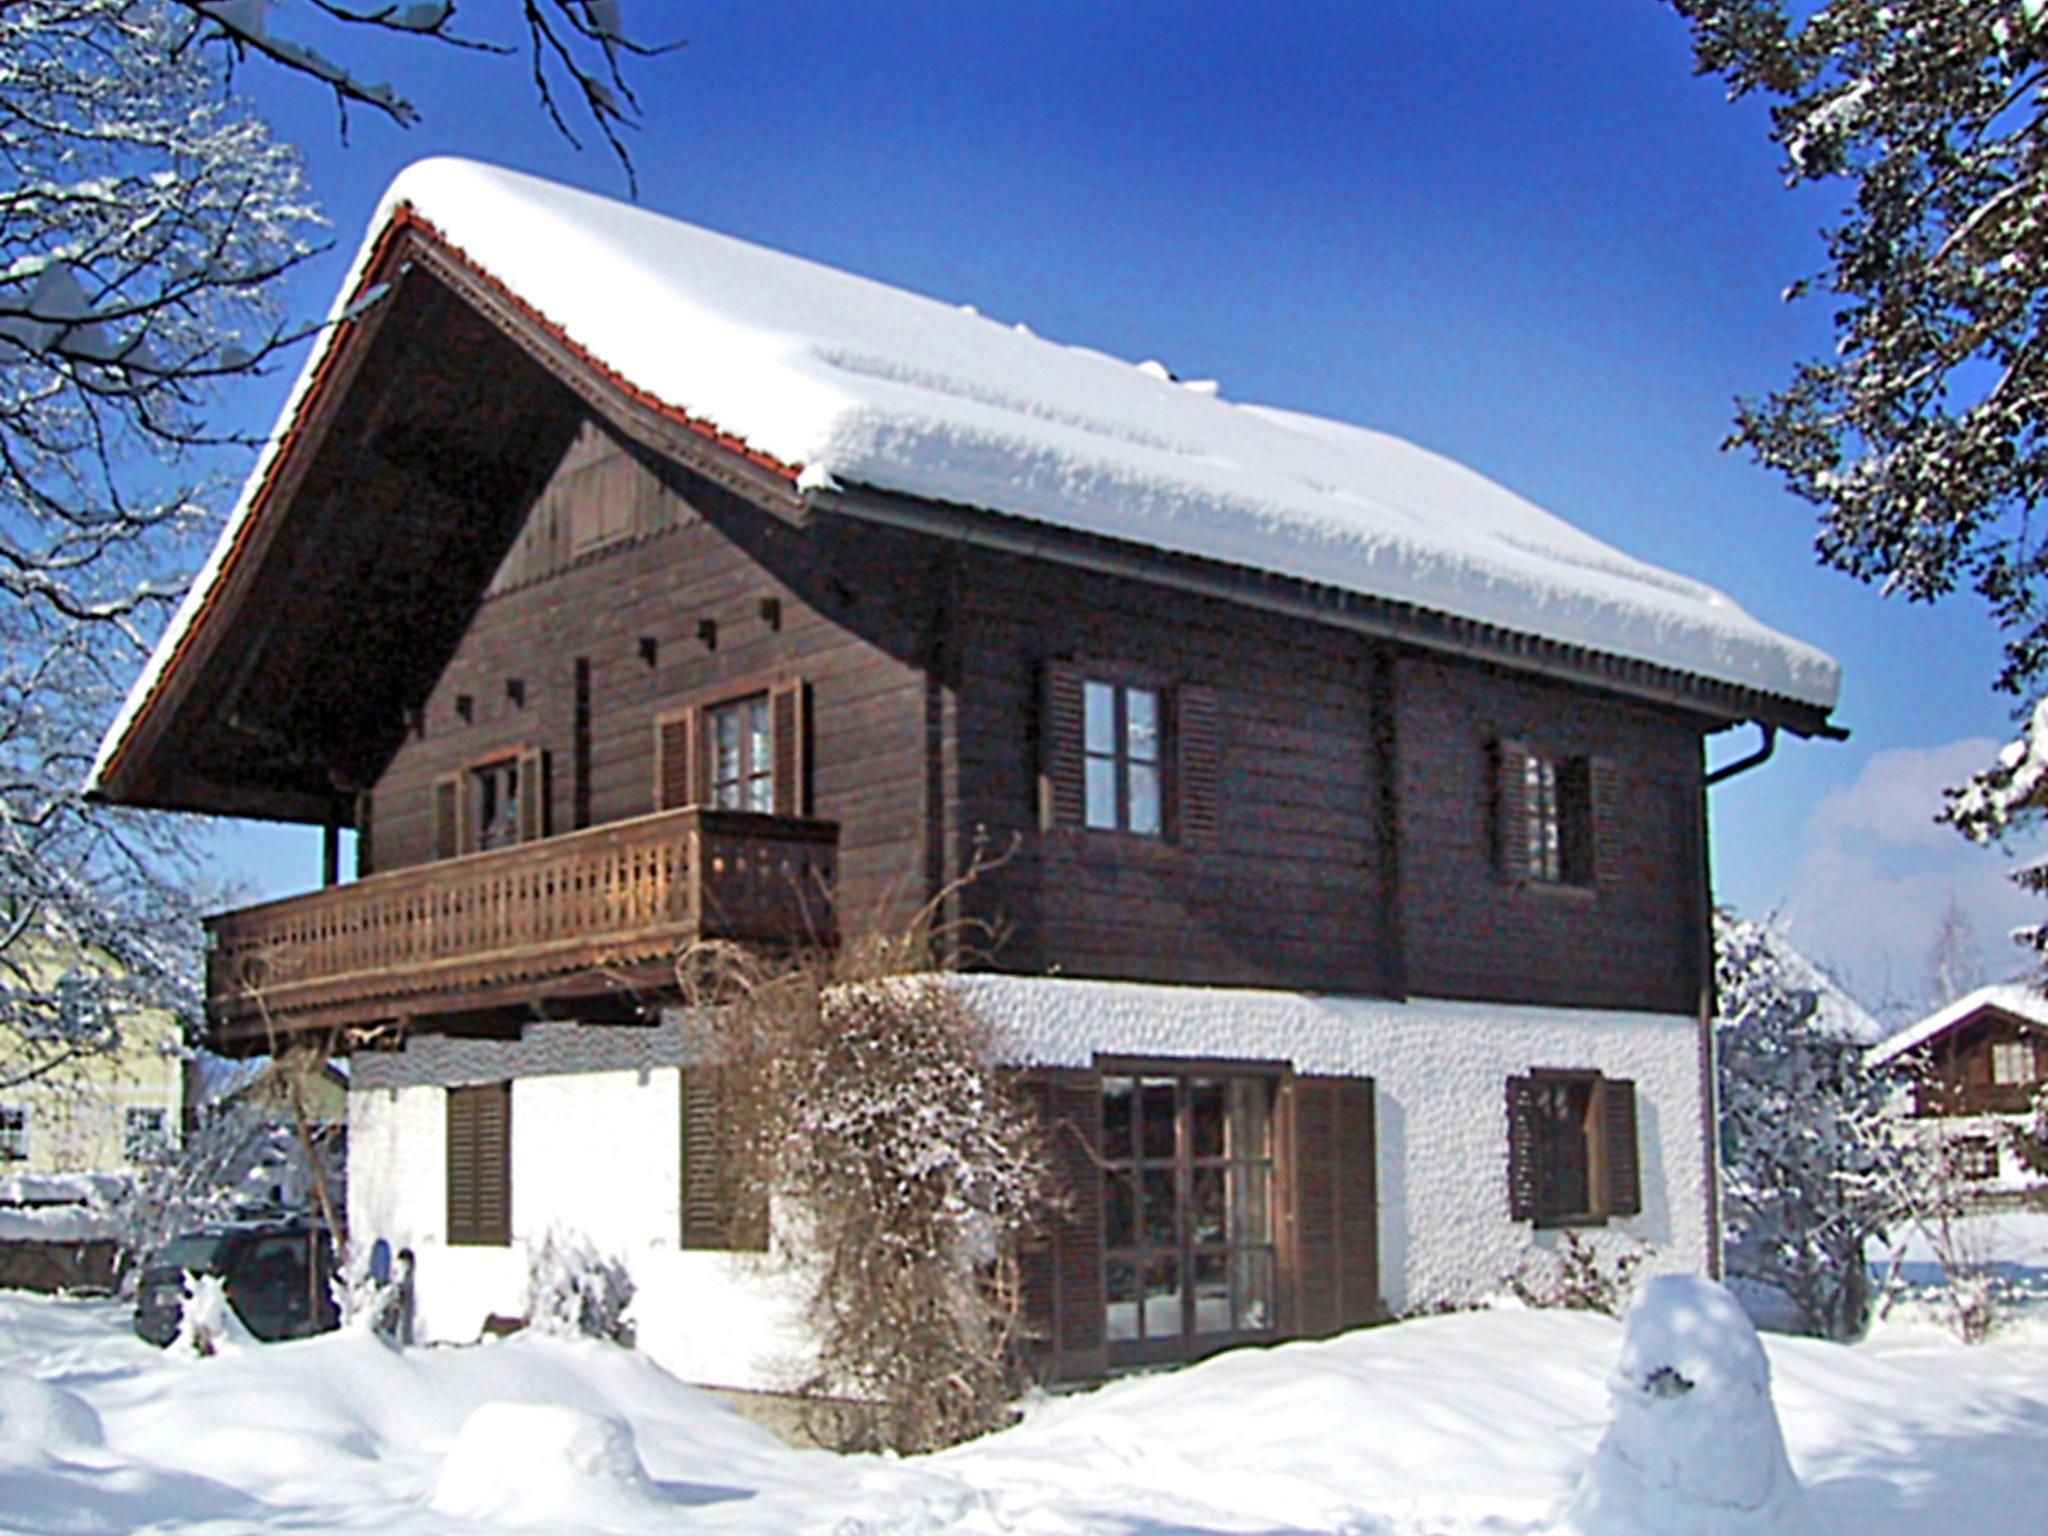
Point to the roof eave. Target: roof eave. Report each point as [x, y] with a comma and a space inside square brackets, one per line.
[1383, 618]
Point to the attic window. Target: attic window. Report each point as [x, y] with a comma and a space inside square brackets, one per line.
[13, 1133]
[1545, 829]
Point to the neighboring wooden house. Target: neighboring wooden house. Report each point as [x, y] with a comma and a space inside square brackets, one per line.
[1975, 1067]
[622, 584]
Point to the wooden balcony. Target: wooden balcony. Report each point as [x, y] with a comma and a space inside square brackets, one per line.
[587, 918]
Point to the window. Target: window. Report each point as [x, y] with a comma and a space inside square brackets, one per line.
[1975, 1157]
[739, 757]
[1120, 743]
[1188, 1232]
[499, 803]
[747, 753]
[494, 794]
[2012, 1061]
[13, 1133]
[1545, 809]
[1558, 820]
[1572, 1158]
[143, 1134]
[480, 1164]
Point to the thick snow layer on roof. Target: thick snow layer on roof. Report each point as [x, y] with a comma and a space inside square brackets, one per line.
[2022, 999]
[855, 383]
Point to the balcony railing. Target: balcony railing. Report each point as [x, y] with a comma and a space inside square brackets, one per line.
[584, 915]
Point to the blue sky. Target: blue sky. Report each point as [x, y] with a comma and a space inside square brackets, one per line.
[1524, 235]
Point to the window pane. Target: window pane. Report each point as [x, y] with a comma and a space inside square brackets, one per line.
[1251, 1202]
[1118, 1103]
[1101, 810]
[1144, 799]
[1141, 725]
[761, 794]
[1119, 1218]
[1157, 1099]
[757, 735]
[1252, 1290]
[1205, 1215]
[1211, 1284]
[1160, 1228]
[1251, 1117]
[1205, 1116]
[1098, 702]
[1162, 1299]
[1120, 1288]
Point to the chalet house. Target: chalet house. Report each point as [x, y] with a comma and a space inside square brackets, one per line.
[621, 584]
[1974, 1068]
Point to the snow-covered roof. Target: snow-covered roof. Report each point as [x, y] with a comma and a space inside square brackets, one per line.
[848, 383]
[2022, 999]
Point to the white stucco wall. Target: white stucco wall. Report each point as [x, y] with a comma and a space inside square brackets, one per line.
[599, 1153]
[1440, 1071]
[596, 1153]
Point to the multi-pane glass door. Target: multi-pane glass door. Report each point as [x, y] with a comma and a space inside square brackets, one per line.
[1188, 1251]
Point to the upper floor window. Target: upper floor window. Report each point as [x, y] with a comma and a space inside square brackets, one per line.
[1121, 758]
[2012, 1061]
[740, 756]
[13, 1133]
[1546, 831]
[749, 752]
[1559, 819]
[493, 804]
[494, 788]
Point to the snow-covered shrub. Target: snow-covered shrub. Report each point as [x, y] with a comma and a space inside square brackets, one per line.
[518, 1464]
[573, 1290]
[1814, 1142]
[866, 1099]
[208, 1322]
[1581, 1276]
[1694, 1447]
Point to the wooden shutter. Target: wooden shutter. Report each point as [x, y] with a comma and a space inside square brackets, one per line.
[789, 736]
[1608, 820]
[1197, 765]
[448, 816]
[675, 760]
[366, 844]
[533, 795]
[1060, 1262]
[1511, 808]
[1524, 1156]
[1062, 798]
[1615, 1110]
[716, 1212]
[480, 1164]
[1336, 1206]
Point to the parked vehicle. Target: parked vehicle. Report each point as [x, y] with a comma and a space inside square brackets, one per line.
[276, 1273]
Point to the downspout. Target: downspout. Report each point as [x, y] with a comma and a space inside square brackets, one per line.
[1710, 1077]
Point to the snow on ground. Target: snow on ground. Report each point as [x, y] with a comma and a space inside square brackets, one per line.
[1449, 1426]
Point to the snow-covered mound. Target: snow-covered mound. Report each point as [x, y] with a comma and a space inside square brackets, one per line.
[1478, 1424]
[1694, 1447]
[848, 383]
[36, 1417]
[528, 1461]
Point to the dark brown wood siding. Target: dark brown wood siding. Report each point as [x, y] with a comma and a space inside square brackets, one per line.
[1630, 938]
[601, 646]
[1341, 830]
